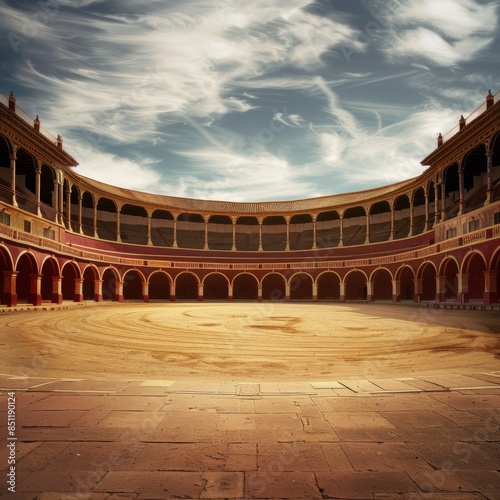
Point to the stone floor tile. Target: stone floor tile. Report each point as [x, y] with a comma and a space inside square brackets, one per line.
[291, 457]
[281, 421]
[197, 457]
[230, 421]
[379, 435]
[223, 485]
[487, 433]
[68, 495]
[41, 456]
[146, 420]
[68, 434]
[461, 455]
[424, 434]
[48, 418]
[429, 496]
[68, 402]
[154, 485]
[383, 457]
[354, 420]
[336, 457]
[416, 418]
[364, 484]
[278, 405]
[130, 403]
[282, 485]
[90, 418]
[462, 417]
[74, 481]
[26, 398]
[470, 402]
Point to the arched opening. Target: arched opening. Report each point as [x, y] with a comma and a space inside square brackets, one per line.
[50, 272]
[401, 217]
[301, 287]
[215, 287]
[475, 267]
[329, 286]
[245, 287]
[87, 214]
[494, 296]
[159, 286]
[274, 233]
[449, 270]
[220, 232]
[428, 276]
[26, 268]
[88, 289]
[495, 168]
[162, 228]
[355, 286]
[247, 234]
[418, 211]
[5, 172]
[26, 182]
[328, 230]
[107, 219]
[301, 232]
[75, 208]
[70, 273]
[186, 286]
[48, 203]
[354, 226]
[5, 267]
[65, 208]
[109, 288]
[406, 287]
[132, 285]
[431, 202]
[134, 225]
[452, 192]
[380, 222]
[474, 178]
[190, 231]
[273, 287]
[382, 285]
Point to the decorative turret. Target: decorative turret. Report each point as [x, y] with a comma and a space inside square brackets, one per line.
[440, 140]
[489, 99]
[12, 101]
[36, 124]
[461, 122]
[59, 142]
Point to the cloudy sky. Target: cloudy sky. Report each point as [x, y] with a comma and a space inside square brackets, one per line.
[249, 100]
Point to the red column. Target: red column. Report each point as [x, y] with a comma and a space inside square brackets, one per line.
[9, 295]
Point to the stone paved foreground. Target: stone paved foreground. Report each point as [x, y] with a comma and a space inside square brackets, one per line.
[415, 438]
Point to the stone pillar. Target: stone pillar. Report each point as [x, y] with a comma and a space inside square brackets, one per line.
[35, 296]
[205, 218]
[367, 239]
[230, 292]
[13, 159]
[68, 210]
[174, 244]
[314, 231]
[80, 214]
[9, 295]
[396, 290]
[172, 291]
[463, 288]
[443, 201]
[98, 290]
[55, 201]
[118, 223]
[427, 221]
[287, 292]
[56, 290]
[150, 241]
[341, 239]
[119, 291]
[461, 189]
[145, 291]
[259, 292]
[315, 292]
[440, 289]
[233, 222]
[342, 291]
[391, 236]
[437, 213]
[418, 289]
[78, 295]
[96, 235]
[200, 292]
[287, 221]
[490, 290]
[38, 182]
[260, 233]
[410, 233]
[369, 291]
[489, 168]
[60, 211]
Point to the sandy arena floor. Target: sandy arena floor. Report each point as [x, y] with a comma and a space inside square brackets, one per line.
[248, 341]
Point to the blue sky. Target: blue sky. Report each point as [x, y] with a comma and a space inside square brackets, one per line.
[249, 101]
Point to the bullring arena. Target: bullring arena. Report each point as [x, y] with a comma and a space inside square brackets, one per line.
[337, 347]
